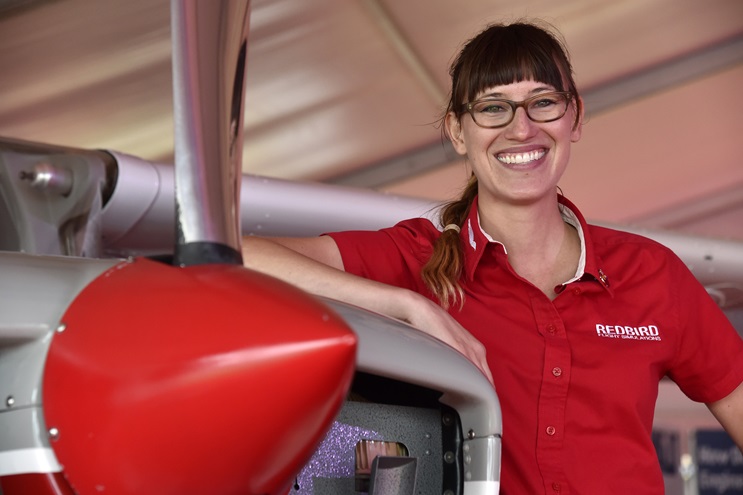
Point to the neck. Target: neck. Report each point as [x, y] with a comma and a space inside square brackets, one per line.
[541, 247]
[522, 226]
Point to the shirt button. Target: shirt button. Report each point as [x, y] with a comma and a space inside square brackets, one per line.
[577, 291]
[557, 371]
[551, 329]
[556, 487]
[550, 430]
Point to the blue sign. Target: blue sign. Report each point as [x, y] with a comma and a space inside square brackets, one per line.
[719, 463]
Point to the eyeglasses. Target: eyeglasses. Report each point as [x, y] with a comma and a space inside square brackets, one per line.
[544, 107]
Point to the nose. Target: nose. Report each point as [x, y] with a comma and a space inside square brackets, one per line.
[521, 127]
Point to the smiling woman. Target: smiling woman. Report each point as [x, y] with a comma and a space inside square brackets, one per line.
[523, 286]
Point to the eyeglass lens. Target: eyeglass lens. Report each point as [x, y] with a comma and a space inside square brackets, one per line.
[540, 108]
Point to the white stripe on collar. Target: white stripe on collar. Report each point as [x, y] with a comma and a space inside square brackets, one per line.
[572, 219]
[472, 233]
[487, 236]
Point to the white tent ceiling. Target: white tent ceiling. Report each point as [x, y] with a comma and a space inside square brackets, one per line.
[347, 90]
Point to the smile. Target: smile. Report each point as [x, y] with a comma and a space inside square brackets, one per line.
[511, 158]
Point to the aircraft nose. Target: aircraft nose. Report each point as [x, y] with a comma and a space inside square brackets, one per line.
[205, 379]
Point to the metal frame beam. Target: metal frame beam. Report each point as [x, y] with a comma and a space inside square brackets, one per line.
[597, 99]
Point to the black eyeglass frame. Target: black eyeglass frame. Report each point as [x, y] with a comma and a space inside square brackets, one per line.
[468, 107]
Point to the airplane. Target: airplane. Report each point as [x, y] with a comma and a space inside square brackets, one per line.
[97, 224]
[183, 370]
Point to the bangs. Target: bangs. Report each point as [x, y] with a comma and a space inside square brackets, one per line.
[519, 53]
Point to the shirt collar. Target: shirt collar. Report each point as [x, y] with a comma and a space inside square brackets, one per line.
[475, 240]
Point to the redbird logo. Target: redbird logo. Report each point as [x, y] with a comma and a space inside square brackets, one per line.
[648, 332]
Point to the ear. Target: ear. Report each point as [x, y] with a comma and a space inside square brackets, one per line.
[578, 126]
[454, 132]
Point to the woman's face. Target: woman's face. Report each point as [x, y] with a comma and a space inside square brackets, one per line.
[523, 161]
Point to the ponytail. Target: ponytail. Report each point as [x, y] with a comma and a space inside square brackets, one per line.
[442, 272]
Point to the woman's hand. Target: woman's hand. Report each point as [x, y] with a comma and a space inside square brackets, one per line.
[430, 318]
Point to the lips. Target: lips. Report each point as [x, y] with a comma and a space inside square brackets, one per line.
[521, 158]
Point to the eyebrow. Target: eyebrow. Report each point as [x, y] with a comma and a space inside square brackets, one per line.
[535, 91]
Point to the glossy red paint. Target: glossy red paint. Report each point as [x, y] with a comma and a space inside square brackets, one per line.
[36, 484]
[205, 379]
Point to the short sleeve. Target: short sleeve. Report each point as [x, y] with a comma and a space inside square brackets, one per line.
[708, 363]
[393, 256]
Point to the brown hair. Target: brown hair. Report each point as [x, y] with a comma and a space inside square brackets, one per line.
[499, 55]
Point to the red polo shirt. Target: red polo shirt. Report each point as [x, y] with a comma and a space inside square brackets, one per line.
[577, 376]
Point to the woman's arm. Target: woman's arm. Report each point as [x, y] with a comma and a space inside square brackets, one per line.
[315, 265]
[729, 412]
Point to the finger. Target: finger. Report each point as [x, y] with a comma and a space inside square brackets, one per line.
[488, 374]
[483, 364]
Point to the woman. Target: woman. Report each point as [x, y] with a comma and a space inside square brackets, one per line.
[579, 322]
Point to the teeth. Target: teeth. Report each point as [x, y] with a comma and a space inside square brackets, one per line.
[511, 158]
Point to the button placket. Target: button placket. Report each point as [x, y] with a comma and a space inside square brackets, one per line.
[553, 391]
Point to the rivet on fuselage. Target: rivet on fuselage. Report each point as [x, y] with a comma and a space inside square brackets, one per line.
[53, 434]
